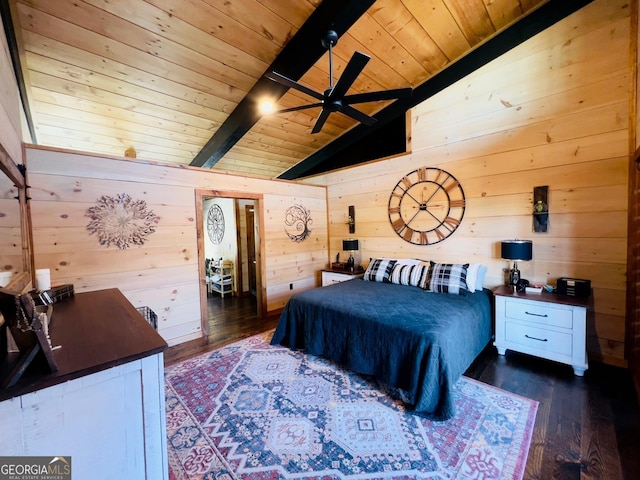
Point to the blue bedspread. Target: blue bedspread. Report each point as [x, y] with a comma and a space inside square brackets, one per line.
[408, 338]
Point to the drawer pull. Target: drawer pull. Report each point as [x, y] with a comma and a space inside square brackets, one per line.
[536, 314]
[538, 339]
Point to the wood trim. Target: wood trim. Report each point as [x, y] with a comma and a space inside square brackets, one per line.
[632, 323]
[227, 194]
[238, 263]
[202, 274]
[261, 255]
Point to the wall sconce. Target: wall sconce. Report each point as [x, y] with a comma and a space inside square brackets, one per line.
[540, 209]
[351, 221]
[518, 251]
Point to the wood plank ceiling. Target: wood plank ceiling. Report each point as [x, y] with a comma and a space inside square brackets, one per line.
[164, 76]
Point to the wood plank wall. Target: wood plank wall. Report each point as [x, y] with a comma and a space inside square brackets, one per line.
[163, 273]
[554, 111]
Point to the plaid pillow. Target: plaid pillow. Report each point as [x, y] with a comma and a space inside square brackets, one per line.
[448, 278]
[415, 275]
[379, 270]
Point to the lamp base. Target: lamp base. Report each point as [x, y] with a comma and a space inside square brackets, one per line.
[514, 275]
[351, 263]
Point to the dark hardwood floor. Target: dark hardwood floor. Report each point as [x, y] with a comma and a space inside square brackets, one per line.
[586, 427]
[230, 319]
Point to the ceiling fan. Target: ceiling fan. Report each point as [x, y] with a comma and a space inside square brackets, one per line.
[334, 98]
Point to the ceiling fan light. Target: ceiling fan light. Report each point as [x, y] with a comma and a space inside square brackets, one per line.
[266, 107]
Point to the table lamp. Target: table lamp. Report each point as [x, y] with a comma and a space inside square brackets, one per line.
[352, 246]
[518, 251]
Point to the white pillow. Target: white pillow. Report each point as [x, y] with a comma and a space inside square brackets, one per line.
[474, 278]
[472, 274]
[482, 271]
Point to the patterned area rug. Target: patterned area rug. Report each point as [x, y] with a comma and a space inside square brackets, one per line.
[255, 411]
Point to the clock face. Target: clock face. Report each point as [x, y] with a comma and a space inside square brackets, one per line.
[215, 224]
[426, 206]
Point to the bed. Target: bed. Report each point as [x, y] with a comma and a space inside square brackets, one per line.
[410, 339]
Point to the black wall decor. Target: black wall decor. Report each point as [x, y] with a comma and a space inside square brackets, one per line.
[540, 209]
[352, 219]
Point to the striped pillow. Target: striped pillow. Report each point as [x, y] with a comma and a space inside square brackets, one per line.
[449, 278]
[379, 270]
[414, 275]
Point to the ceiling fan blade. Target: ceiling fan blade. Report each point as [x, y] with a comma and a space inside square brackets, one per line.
[351, 72]
[358, 115]
[392, 94]
[324, 114]
[287, 82]
[300, 107]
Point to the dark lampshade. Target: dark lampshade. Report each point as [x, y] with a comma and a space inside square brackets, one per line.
[520, 250]
[350, 245]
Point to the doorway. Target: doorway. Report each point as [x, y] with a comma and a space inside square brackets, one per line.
[228, 229]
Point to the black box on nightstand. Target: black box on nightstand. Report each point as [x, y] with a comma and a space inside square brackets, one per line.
[574, 287]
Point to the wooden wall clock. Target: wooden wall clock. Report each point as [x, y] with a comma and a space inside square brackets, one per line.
[426, 206]
[215, 224]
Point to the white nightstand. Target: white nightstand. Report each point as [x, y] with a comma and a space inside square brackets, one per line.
[331, 276]
[542, 324]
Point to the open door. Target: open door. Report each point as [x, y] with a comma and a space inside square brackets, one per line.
[251, 248]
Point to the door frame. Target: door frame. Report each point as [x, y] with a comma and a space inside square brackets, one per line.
[200, 196]
[250, 212]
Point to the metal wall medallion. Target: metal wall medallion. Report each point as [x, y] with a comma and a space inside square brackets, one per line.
[121, 221]
[215, 224]
[297, 223]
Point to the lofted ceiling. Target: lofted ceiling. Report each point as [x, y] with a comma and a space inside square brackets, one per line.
[179, 80]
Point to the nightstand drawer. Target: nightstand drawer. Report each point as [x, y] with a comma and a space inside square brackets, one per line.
[539, 338]
[539, 312]
[329, 278]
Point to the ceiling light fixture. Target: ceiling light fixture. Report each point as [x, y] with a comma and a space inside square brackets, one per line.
[266, 107]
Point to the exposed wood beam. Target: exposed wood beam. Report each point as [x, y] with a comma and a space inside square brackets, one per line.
[534, 23]
[298, 56]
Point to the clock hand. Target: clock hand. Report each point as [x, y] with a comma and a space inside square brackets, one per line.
[412, 218]
[432, 195]
[406, 192]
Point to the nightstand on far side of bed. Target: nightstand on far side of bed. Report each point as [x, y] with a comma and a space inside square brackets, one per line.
[544, 324]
